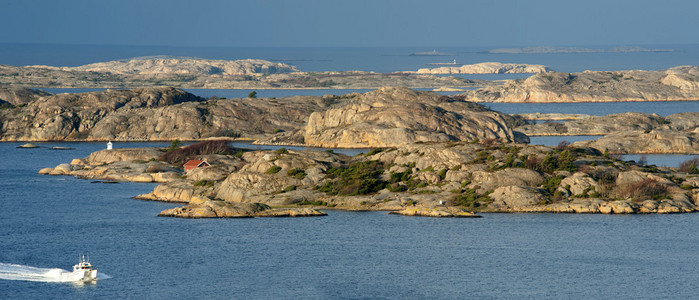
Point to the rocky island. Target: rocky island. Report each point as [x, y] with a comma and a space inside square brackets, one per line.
[431, 155]
[213, 74]
[674, 84]
[444, 179]
[387, 117]
[486, 68]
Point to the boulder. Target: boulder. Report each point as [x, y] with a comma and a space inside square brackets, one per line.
[484, 181]
[580, 184]
[124, 154]
[515, 198]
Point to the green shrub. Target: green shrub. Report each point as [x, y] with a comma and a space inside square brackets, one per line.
[314, 203]
[558, 161]
[203, 182]
[6, 105]
[298, 173]
[551, 183]
[357, 178]
[397, 187]
[281, 151]
[471, 199]
[442, 174]
[400, 176]
[687, 186]
[375, 151]
[273, 170]
[289, 189]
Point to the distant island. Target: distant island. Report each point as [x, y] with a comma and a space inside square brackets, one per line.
[486, 68]
[674, 84]
[551, 49]
[431, 53]
[187, 72]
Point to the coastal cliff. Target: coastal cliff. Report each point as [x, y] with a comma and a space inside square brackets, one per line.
[678, 83]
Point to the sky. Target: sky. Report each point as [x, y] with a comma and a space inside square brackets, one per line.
[360, 23]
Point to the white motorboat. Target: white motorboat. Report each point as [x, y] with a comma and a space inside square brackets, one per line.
[84, 271]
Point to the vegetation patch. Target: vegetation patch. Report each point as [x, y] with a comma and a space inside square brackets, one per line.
[550, 184]
[316, 203]
[471, 199]
[273, 170]
[645, 189]
[179, 156]
[690, 166]
[297, 173]
[288, 189]
[204, 183]
[357, 178]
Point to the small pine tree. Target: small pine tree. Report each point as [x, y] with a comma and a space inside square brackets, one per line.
[252, 94]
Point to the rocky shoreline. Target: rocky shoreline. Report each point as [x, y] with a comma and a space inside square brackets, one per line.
[438, 180]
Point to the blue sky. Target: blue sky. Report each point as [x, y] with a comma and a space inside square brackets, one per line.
[361, 23]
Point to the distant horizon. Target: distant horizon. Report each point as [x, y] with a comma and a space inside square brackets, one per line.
[349, 47]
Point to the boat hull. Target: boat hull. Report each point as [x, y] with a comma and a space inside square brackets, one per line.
[85, 275]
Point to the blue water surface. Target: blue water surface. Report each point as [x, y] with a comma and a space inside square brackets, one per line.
[46, 221]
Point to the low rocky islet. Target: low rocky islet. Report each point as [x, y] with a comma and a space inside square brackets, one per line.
[440, 179]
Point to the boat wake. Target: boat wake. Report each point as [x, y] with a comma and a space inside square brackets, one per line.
[28, 273]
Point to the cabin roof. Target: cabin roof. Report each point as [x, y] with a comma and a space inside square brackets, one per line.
[196, 163]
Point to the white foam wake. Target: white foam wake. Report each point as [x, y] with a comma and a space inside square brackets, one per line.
[28, 273]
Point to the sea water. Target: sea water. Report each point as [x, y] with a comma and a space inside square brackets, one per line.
[378, 59]
[47, 221]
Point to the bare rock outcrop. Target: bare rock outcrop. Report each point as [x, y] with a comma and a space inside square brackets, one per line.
[486, 68]
[20, 96]
[108, 156]
[678, 83]
[150, 114]
[656, 142]
[398, 116]
[164, 65]
[436, 212]
[74, 116]
[484, 181]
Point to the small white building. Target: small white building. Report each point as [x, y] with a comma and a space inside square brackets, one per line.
[109, 145]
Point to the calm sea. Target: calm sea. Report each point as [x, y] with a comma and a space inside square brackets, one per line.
[381, 59]
[47, 221]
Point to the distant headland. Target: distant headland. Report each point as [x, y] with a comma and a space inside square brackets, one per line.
[551, 49]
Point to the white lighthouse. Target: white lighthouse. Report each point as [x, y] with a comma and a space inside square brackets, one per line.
[109, 145]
